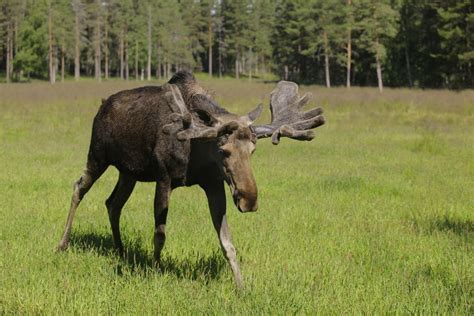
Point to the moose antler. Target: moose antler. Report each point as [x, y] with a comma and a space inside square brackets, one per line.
[287, 119]
[188, 126]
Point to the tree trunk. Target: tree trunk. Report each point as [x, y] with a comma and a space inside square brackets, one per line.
[77, 49]
[127, 68]
[407, 59]
[97, 54]
[11, 56]
[379, 66]
[9, 49]
[219, 48]
[326, 60]
[136, 60]
[250, 65]
[52, 70]
[237, 66]
[250, 72]
[286, 72]
[349, 49]
[14, 47]
[121, 53]
[62, 62]
[106, 49]
[209, 33]
[158, 62]
[148, 64]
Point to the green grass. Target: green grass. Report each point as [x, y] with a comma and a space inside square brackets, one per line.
[375, 215]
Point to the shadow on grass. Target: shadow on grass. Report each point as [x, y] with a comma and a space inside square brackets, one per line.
[463, 228]
[460, 227]
[137, 259]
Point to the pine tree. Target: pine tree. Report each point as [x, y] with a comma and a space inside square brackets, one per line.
[324, 30]
[265, 24]
[379, 23]
[456, 32]
[79, 16]
[13, 12]
[234, 25]
[32, 47]
[2, 30]
[287, 37]
[64, 29]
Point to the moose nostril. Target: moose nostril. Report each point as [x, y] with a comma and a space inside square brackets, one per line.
[236, 195]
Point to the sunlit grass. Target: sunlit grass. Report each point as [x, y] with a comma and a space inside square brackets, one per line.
[375, 215]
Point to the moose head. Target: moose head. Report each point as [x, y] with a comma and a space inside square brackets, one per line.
[235, 137]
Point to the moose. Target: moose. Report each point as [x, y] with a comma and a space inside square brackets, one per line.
[177, 135]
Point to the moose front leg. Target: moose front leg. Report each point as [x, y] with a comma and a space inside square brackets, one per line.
[162, 194]
[217, 204]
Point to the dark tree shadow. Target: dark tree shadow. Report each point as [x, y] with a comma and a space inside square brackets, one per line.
[137, 259]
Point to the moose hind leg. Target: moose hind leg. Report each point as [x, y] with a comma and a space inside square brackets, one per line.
[122, 191]
[81, 187]
[217, 205]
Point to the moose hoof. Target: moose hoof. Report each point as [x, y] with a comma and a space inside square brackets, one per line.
[62, 247]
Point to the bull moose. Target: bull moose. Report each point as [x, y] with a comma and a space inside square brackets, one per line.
[176, 135]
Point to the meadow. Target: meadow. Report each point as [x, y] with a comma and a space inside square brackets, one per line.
[374, 216]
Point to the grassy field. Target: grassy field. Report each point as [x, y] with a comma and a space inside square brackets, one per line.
[375, 215]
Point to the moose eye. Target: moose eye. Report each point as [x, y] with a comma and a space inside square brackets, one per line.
[224, 153]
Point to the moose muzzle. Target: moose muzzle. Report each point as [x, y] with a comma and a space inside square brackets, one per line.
[246, 201]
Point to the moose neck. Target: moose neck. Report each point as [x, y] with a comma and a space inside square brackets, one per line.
[202, 164]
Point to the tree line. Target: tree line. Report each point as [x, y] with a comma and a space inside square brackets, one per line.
[415, 43]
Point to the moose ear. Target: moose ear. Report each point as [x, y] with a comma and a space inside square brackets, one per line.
[254, 114]
[205, 117]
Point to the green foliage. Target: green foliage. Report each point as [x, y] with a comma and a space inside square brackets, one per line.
[418, 43]
[456, 30]
[323, 18]
[173, 35]
[33, 41]
[377, 23]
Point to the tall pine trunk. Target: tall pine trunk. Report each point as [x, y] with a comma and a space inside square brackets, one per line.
[52, 68]
[407, 60]
[326, 60]
[349, 48]
[121, 53]
[379, 66]
[209, 37]
[127, 68]
[9, 49]
[158, 62]
[97, 54]
[136, 61]
[250, 65]
[63, 53]
[106, 49]
[407, 56]
[148, 63]
[77, 48]
[219, 49]
[237, 67]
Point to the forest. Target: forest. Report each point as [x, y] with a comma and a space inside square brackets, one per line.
[396, 43]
